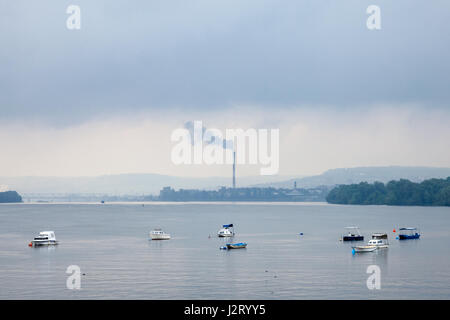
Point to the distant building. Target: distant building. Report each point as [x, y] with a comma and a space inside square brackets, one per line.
[244, 194]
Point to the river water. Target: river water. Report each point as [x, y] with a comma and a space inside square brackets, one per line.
[110, 245]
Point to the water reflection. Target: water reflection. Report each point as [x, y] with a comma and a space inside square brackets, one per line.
[378, 257]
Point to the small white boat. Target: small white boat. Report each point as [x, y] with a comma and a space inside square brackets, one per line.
[367, 248]
[45, 238]
[226, 231]
[158, 234]
[378, 241]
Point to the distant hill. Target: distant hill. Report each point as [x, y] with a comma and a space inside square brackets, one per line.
[10, 197]
[147, 183]
[361, 174]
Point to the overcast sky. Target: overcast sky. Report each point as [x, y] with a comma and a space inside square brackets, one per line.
[104, 99]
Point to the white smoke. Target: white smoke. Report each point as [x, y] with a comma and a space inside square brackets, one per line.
[208, 136]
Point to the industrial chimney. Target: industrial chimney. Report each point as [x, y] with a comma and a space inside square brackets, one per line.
[234, 169]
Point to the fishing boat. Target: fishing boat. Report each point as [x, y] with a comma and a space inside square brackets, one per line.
[240, 245]
[158, 234]
[408, 233]
[226, 231]
[44, 238]
[352, 234]
[378, 241]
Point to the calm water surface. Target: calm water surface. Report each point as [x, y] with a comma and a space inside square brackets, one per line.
[109, 242]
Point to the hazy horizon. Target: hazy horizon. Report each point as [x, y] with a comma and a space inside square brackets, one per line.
[270, 177]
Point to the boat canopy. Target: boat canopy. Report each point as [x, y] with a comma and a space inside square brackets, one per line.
[352, 228]
[379, 236]
[228, 225]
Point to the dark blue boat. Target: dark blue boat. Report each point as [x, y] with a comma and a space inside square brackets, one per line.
[240, 245]
[352, 234]
[408, 233]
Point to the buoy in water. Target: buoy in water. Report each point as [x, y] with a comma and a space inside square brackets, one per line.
[301, 233]
[353, 251]
[30, 244]
[393, 230]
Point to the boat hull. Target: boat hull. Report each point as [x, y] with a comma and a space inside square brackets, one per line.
[353, 238]
[160, 236]
[365, 248]
[38, 243]
[220, 235]
[408, 237]
[236, 245]
[369, 248]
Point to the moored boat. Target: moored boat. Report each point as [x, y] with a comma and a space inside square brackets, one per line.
[408, 233]
[378, 241]
[364, 248]
[352, 234]
[240, 245]
[158, 234]
[45, 238]
[226, 231]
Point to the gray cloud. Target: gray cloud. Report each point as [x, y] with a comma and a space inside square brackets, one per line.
[149, 55]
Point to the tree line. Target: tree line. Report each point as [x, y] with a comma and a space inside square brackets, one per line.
[10, 196]
[432, 192]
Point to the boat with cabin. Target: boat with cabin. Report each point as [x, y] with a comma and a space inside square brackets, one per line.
[158, 234]
[408, 233]
[352, 234]
[44, 238]
[226, 231]
[378, 241]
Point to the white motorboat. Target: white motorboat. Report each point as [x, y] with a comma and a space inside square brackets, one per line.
[368, 248]
[158, 234]
[45, 238]
[226, 231]
[378, 241]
